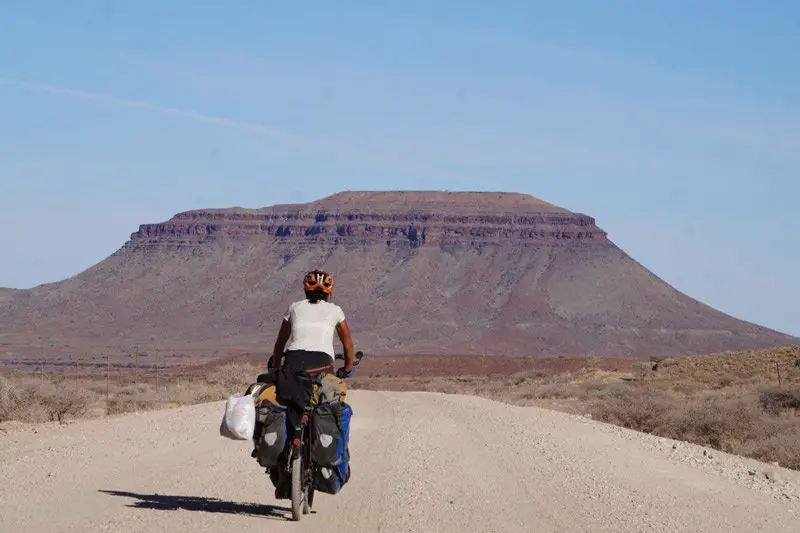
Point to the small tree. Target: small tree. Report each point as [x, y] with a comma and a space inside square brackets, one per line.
[62, 401]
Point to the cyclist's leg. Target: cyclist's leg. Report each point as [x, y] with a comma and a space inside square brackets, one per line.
[295, 362]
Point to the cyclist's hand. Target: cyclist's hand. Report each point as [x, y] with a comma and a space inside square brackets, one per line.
[344, 373]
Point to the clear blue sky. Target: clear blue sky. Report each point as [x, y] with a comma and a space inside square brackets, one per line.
[675, 123]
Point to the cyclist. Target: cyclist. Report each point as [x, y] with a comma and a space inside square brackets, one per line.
[305, 339]
[305, 344]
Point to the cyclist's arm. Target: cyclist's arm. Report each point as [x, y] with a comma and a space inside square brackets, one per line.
[280, 342]
[347, 343]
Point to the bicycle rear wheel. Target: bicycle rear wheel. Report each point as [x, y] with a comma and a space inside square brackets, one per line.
[309, 501]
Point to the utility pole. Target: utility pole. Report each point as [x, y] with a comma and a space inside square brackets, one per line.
[108, 370]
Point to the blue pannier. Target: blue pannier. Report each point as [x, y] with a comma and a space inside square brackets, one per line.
[330, 439]
[331, 480]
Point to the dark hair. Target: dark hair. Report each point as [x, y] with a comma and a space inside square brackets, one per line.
[315, 296]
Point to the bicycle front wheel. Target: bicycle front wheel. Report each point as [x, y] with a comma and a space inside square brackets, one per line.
[298, 494]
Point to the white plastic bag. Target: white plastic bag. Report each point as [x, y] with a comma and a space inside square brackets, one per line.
[239, 421]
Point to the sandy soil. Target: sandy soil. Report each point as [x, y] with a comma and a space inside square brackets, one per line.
[421, 462]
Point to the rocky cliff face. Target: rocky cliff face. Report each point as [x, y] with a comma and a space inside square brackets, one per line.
[359, 219]
[416, 272]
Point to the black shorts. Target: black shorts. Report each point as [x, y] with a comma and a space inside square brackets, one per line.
[294, 391]
[305, 360]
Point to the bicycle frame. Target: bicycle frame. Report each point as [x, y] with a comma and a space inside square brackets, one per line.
[300, 445]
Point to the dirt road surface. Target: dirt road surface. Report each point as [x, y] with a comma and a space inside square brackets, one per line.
[421, 462]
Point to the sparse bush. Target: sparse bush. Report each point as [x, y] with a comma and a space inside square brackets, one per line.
[777, 400]
[61, 401]
[10, 402]
[590, 388]
[135, 397]
[36, 402]
[782, 444]
[632, 406]
[715, 421]
[193, 393]
[723, 382]
[667, 362]
[686, 388]
[643, 369]
[552, 391]
[235, 377]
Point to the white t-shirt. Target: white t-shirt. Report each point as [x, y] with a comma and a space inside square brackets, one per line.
[313, 326]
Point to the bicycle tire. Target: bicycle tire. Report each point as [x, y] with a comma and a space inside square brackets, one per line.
[309, 501]
[297, 488]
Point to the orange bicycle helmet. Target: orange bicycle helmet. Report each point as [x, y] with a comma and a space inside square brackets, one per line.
[318, 281]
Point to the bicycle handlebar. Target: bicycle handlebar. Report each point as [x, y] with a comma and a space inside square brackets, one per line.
[359, 355]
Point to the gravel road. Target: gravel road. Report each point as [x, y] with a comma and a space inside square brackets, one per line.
[421, 462]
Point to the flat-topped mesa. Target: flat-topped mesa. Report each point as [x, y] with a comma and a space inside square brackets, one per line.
[393, 219]
[418, 272]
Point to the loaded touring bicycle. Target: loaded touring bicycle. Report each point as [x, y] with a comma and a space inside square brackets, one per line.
[318, 457]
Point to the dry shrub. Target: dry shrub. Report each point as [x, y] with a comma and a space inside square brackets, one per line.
[686, 388]
[551, 391]
[62, 400]
[443, 385]
[781, 444]
[32, 401]
[534, 374]
[665, 362]
[723, 382]
[191, 393]
[643, 369]
[733, 420]
[721, 422]
[632, 406]
[145, 397]
[235, 377]
[12, 405]
[132, 398]
[776, 401]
